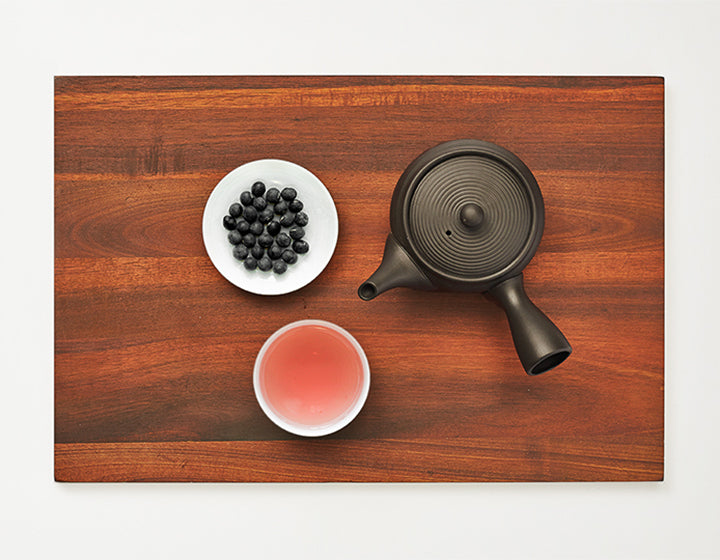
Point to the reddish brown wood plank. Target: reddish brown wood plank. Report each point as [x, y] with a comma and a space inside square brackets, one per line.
[143, 348]
[351, 127]
[158, 216]
[142, 377]
[379, 460]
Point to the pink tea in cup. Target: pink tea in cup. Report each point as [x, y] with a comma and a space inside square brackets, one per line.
[311, 378]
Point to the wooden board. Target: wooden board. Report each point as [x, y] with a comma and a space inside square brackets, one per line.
[154, 349]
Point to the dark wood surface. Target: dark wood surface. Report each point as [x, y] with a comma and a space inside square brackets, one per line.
[154, 349]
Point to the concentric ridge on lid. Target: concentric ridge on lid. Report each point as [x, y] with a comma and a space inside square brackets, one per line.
[484, 245]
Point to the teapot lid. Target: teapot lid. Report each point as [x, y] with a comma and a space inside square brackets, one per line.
[469, 211]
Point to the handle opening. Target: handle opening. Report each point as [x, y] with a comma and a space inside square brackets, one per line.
[549, 362]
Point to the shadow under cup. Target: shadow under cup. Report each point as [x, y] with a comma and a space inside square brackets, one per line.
[311, 378]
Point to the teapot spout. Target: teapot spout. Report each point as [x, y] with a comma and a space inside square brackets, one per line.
[396, 270]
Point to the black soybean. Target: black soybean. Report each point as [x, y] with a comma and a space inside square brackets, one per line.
[283, 239]
[250, 214]
[300, 247]
[234, 237]
[240, 252]
[289, 256]
[256, 228]
[259, 203]
[274, 252]
[272, 195]
[265, 263]
[229, 222]
[302, 219]
[296, 232]
[287, 220]
[273, 228]
[265, 216]
[235, 210]
[288, 193]
[280, 208]
[246, 198]
[250, 262]
[248, 240]
[265, 240]
[295, 206]
[279, 267]
[258, 188]
[243, 226]
[257, 251]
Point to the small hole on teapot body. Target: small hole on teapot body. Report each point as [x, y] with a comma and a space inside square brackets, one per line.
[448, 232]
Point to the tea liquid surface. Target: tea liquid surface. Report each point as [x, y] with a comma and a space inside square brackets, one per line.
[311, 375]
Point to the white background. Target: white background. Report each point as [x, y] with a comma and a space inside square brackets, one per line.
[673, 519]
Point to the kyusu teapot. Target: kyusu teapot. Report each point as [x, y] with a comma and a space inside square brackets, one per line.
[468, 215]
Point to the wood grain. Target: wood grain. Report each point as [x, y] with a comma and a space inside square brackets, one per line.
[154, 349]
[376, 460]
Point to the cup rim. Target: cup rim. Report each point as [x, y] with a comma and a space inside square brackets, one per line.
[304, 429]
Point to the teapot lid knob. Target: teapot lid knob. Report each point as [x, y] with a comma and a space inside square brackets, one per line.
[471, 215]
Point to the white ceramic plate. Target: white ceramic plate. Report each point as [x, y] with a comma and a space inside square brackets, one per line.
[321, 232]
